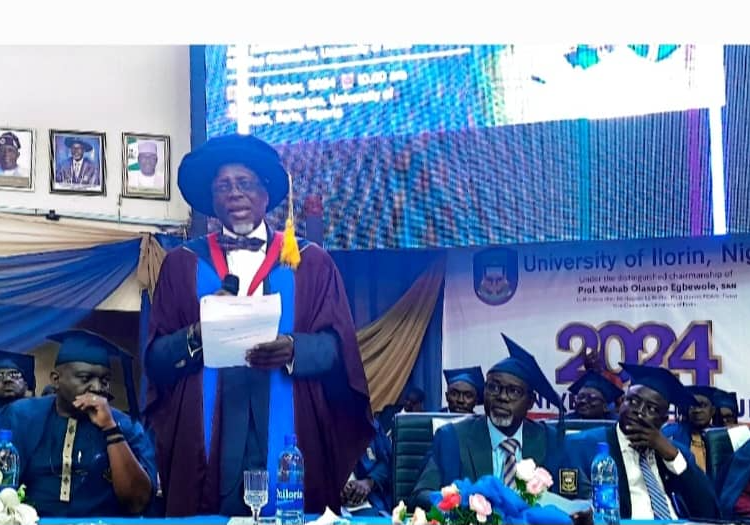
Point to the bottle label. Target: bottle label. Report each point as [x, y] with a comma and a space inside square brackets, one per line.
[290, 497]
[606, 496]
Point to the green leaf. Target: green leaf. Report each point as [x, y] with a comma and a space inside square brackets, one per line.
[436, 515]
[21, 493]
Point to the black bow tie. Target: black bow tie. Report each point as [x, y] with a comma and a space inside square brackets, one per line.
[240, 243]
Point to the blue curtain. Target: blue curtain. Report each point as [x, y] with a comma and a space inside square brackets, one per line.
[374, 281]
[44, 293]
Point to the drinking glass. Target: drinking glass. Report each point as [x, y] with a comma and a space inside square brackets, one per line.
[256, 491]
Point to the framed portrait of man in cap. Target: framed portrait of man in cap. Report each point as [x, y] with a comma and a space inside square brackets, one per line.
[16, 158]
[77, 162]
[145, 166]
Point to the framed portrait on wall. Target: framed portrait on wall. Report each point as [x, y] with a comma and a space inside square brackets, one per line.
[145, 166]
[77, 162]
[16, 158]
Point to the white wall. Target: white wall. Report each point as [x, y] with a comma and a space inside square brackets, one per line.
[142, 89]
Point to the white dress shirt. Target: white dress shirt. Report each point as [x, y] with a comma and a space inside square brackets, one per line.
[640, 501]
[245, 263]
[498, 453]
[77, 165]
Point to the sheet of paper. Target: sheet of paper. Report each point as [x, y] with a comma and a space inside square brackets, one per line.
[230, 325]
[569, 506]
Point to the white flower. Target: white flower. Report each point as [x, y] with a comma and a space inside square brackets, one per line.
[525, 469]
[7, 519]
[448, 490]
[419, 517]
[9, 498]
[26, 514]
[399, 513]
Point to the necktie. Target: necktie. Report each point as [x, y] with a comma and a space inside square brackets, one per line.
[509, 468]
[655, 493]
[240, 243]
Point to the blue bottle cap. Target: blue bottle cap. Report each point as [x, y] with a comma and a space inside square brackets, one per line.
[602, 448]
[290, 440]
[6, 435]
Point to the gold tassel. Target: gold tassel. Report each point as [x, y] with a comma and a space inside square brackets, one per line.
[289, 248]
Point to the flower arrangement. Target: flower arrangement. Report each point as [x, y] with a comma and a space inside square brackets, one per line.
[12, 509]
[490, 502]
[531, 481]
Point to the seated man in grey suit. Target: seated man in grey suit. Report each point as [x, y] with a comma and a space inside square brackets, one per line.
[494, 443]
[658, 478]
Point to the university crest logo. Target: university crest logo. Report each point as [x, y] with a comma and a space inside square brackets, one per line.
[495, 275]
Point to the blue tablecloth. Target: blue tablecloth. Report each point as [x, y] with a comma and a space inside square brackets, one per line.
[222, 520]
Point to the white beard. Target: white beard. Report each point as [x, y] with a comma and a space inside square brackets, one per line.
[501, 422]
[244, 228]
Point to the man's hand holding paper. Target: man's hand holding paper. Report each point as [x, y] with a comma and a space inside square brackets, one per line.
[242, 330]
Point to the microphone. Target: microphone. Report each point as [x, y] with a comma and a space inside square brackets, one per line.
[230, 285]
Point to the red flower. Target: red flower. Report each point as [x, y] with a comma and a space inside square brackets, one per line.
[450, 502]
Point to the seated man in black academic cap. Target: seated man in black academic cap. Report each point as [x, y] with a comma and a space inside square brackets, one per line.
[727, 408]
[694, 420]
[593, 395]
[496, 442]
[658, 478]
[465, 389]
[17, 374]
[79, 456]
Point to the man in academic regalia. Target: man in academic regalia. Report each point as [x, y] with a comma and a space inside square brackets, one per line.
[593, 394]
[658, 478]
[465, 389]
[694, 420]
[79, 456]
[211, 424]
[17, 376]
[494, 443]
[368, 491]
[727, 408]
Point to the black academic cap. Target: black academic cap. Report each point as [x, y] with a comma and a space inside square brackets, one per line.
[597, 381]
[724, 399]
[24, 363]
[82, 346]
[702, 390]
[472, 375]
[662, 381]
[523, 365]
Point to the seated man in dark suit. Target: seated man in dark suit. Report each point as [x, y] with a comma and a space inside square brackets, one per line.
[465, 389]
[494, 443]
[694, 420]
[651, 467]
[593, 395]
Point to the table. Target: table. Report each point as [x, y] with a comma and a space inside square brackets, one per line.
[223, 520]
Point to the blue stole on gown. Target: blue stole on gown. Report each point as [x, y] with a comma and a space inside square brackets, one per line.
[281, 399]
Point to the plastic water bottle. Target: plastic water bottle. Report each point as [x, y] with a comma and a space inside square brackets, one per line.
[606, 498]
[290, 485]
[9, 461]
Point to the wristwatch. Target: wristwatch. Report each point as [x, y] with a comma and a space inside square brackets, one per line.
[194, 342]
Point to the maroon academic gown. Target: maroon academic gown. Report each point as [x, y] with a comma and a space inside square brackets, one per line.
[333, 430]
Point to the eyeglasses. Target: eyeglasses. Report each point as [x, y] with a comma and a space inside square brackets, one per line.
[513, 392]
[13, 375]
[225, 187]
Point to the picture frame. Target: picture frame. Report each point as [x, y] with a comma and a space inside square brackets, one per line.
[146, 166]
[77, 162]
[17, 154]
